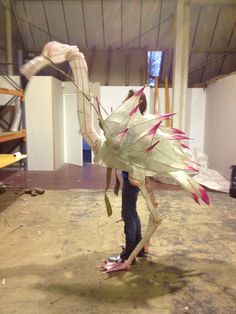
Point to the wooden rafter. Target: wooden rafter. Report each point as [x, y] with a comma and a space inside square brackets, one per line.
[127, 68]
[141, 76]
[108, 65]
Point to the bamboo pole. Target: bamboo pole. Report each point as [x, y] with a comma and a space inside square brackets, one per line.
[167, 108]
[156, 97]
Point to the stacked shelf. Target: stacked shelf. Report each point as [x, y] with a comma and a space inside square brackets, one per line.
[18, 138]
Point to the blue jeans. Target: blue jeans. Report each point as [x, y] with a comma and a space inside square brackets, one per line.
[132, 228]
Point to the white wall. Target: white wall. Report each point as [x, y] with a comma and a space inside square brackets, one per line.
[196, 107]
[45, 117]
[220, 124]
[112, 96]
[45, 145]
[73, 153]
[58, 116]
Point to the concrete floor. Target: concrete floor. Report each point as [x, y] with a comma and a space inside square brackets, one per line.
[51, 245]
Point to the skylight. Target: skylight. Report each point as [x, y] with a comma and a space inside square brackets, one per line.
[154, 65]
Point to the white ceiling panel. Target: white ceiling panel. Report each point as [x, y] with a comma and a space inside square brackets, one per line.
[131, 13]
[167, 27]
[24, 27]
[37, 18]
[150, 23]
[75, 23]
[224, 27]
[55, 20]
[206, 27]
[112, 23]
[195, 14]
[93, 23]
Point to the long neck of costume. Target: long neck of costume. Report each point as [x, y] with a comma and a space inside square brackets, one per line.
[80, 72]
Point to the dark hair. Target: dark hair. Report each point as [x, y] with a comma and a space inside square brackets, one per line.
[143, 100]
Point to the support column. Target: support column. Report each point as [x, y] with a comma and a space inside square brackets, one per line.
[180, 70]
[9, 37]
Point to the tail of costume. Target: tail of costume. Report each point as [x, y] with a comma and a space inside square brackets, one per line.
[190, 186]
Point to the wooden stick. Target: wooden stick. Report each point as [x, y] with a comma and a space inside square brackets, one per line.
[156, 97]
[167, 109]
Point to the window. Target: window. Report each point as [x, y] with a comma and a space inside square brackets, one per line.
[154, 65]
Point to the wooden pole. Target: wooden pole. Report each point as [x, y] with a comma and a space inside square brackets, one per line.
[156, 97]
[167, 108]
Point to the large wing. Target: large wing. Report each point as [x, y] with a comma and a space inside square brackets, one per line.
[144, 143]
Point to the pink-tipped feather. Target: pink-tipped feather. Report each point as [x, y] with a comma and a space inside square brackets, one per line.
[177, 131]
[184, 146]
[204, 196]
[140, 92]
[167, 115]
[123, 132]
[192, 169]
[195, 197]
[153, 129]
[134, 110]
[180, 137]
[152, 146]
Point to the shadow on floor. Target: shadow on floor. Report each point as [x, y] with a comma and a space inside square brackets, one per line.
[144, 281]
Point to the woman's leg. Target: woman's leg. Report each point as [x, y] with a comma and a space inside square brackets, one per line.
[132, 226]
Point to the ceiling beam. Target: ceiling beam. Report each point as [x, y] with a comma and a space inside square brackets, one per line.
[213, 50]
[108, 66]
